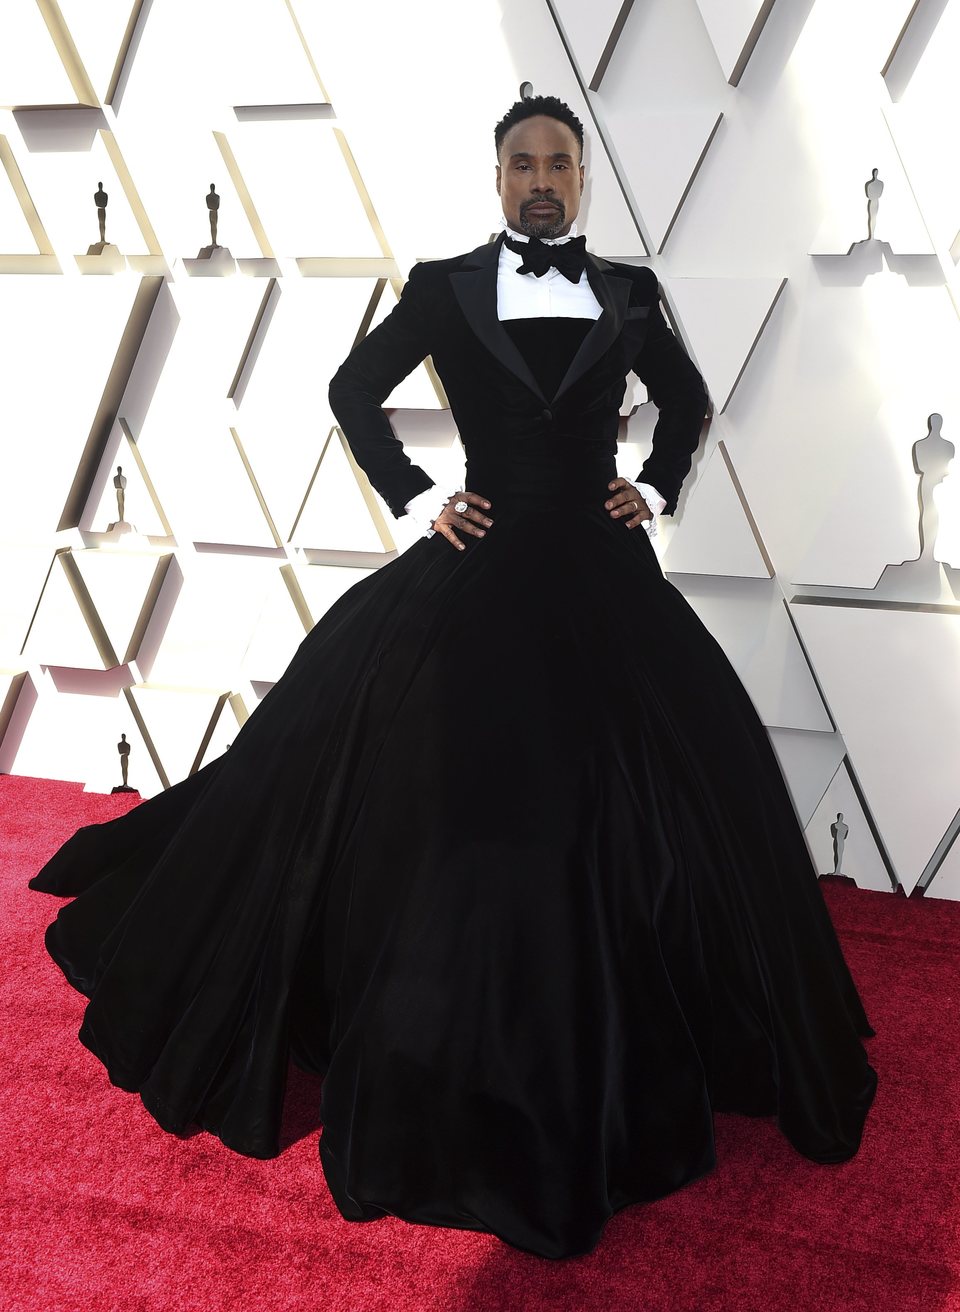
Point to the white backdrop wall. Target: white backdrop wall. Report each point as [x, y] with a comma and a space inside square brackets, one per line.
[728, 144]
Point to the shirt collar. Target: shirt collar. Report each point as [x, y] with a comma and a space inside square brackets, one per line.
[549, 241]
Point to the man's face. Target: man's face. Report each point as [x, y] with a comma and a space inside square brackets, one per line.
[538, 178]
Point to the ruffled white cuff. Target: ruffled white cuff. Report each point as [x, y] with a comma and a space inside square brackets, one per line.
[654, 500]
[426, 506]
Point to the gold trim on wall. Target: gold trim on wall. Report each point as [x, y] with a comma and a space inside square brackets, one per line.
[69, 55]
[45, 261]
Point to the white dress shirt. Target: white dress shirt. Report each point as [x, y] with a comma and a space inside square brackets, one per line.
[528, 297]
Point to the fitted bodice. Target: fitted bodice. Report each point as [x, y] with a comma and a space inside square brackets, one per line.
[553, 466]
[548, 343]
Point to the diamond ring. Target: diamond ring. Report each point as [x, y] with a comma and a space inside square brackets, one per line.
[460, 506]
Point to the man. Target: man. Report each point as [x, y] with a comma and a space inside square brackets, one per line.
[485, 859]
[454, 310]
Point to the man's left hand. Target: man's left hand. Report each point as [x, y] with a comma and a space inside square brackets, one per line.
[627, 503]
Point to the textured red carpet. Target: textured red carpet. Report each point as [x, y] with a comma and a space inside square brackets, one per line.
[104, 1210]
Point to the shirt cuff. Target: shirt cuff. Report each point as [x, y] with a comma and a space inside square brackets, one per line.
[426, 506]
[654, 500]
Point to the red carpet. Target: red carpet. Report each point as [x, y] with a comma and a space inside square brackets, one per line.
[104, 1211]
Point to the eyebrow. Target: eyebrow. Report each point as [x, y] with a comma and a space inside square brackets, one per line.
[528, 154]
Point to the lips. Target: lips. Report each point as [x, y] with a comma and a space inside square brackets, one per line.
[540, 209]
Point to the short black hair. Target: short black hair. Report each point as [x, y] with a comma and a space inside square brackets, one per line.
[533, 105]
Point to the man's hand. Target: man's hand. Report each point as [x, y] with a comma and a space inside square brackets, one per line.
[627, 501]
[470, 519]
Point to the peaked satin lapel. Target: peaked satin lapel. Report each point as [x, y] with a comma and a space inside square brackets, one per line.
[613, 292]
[476, 290]
[475, 287]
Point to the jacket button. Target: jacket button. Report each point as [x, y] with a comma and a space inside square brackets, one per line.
[546, 414]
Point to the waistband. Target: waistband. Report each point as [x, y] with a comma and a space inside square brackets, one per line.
[547, 481]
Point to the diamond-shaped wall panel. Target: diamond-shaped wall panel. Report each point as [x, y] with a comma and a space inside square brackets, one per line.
[723, 351]
[333, 511]
[859, 858]
[890, 679]
[719, 535]
[749, 619]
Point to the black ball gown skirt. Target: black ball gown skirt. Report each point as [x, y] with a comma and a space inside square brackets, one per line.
[507, 857]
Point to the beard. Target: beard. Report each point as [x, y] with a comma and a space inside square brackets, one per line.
[541, 225]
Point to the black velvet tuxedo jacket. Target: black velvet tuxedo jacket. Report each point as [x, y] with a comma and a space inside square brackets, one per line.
[448, 310]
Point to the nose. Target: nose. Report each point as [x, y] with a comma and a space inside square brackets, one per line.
[541, 182]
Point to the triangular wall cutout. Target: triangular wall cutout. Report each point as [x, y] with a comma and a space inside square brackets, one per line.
[39, 64]
[95, 607]
[122, 587]
[723, 319]
[340, 511]
[860, 655]
[859, 857]
[101, 36]
[663, 148]
[24, 244]
[177, 723]
[74, 730]
[137, 208]
[808, 761]
[59, 633]
[141, 504]
[332, 214]
[237, 513]
[749, 619]
[734, 27]
[717, 533]
[592, 32]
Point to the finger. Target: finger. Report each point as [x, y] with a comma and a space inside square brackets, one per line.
[475, 510]
[477, 516]
[467, 525]
[449, 534]
[626, 504]
[639, 518]
[622, 496]
[463, 520]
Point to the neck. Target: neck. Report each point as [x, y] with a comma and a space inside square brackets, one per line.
[525, 236]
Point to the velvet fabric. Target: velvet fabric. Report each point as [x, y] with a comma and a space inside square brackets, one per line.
[548, 345]
[507, 857]
[448, 310]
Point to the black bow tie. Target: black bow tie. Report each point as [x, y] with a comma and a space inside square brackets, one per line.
[569, 256]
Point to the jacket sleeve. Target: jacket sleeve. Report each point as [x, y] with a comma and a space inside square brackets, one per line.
[676, 388]
[363, 382]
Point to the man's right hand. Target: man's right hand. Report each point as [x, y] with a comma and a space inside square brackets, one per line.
[472, 520]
